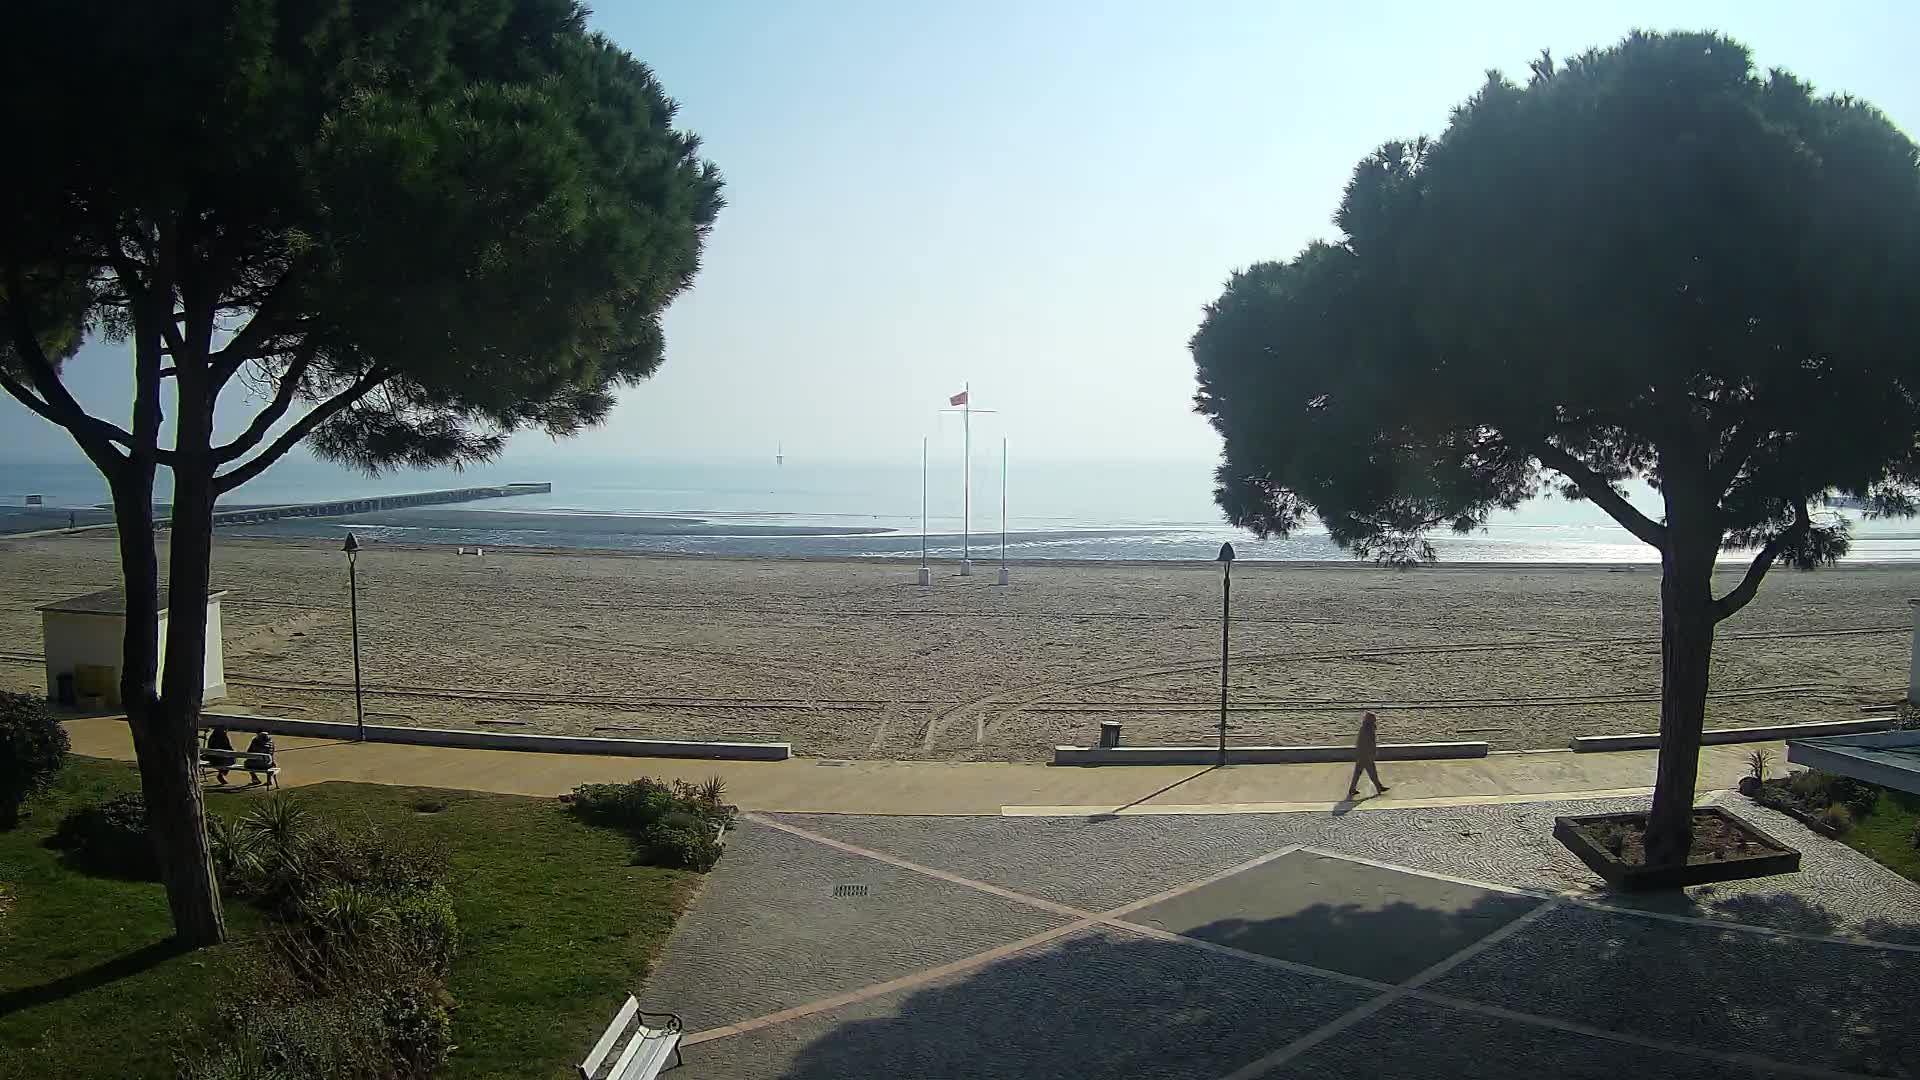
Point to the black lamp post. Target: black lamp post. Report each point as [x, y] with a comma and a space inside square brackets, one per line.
[1226, 606]
[352, 548]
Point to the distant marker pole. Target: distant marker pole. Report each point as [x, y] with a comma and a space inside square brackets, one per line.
[926, 572]
[1003, 510]
[1226, 612]
[964, 399]
[966, 480]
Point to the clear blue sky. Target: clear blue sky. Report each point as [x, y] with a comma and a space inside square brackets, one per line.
[1041, 197]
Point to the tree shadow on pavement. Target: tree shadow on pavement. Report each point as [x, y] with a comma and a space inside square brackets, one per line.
[1111, 1003]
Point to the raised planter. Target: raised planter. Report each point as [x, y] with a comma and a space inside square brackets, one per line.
[1765, 856]
[1650, 740]
[1258, 755]
[501, 740]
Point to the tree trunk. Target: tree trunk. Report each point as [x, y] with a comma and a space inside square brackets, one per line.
[1686, 655]
[185, 855]
[166, 751]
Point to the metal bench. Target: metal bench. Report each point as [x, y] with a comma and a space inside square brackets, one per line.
[647, 1048]
[218, 761]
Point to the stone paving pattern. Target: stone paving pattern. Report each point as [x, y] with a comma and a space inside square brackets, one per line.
[1413, 1040]
[1338, 915]
[1813, 1003]
[1105, 1001]
[1096, 1003]
[768, 933]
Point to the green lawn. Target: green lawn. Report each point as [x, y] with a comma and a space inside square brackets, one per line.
[1887, 834]
[556, 927]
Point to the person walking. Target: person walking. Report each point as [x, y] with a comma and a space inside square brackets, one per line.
[1365, 752]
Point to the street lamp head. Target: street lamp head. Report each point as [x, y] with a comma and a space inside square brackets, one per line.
[1226, 553]
[352, 545]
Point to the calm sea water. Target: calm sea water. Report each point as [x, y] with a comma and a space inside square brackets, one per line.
[1063, 510]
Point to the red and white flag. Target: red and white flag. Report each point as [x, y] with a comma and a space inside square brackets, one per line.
[958, 399]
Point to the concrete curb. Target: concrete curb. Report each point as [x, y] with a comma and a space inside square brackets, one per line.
[1587, 744]
[495, 740]
[1257, 755]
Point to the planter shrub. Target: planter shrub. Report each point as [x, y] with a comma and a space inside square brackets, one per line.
[110, 838]
[33, 747]
[677, 825]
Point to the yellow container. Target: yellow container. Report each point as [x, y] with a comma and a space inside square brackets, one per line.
[99, 681]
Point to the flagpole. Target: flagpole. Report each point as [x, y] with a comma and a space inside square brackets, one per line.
[966, 480]
[926, 572]
[1003, 510]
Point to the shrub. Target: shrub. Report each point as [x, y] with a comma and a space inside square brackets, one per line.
[281, 859]
[292, 1041]
[418, 1027]
[33, 747]
[632, 805]
[1837, 817]
[424, 926]
[1758, 763]
[1858, 796]
[683, 849]
[110, 838]
[672, 824]
[1810, 784]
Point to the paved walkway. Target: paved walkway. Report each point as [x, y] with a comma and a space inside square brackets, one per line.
[1405, 943]
[808, 785]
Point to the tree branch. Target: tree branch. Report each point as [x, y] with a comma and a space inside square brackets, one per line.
[245, 345]
[1740, 446]
[94, 435]
[1749, 585]
[1595, 487]
[301, 429]
[269, 416]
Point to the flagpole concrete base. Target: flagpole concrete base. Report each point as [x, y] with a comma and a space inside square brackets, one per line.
[926, 575]
[966, 567]
[1003, 575]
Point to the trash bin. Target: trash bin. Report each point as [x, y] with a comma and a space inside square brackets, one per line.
[64, 694]
[1109, 734]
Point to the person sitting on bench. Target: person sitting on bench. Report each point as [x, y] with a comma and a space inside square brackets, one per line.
[259, 756]
[219, 753]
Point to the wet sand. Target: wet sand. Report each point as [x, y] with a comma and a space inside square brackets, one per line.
[850, 659]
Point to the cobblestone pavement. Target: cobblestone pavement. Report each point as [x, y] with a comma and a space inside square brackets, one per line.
[1441, 942]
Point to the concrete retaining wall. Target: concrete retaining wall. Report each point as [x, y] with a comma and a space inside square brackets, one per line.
[1587, 744]
[499, 740]
[1257, 755]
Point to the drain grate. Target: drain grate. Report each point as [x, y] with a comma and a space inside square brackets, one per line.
[849, 889]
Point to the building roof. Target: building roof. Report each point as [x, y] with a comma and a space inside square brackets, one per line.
[1888, 758]
[109, 602]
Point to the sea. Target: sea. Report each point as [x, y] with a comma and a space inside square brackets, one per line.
[1071, 510]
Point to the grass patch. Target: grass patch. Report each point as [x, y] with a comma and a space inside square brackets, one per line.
[557, 925]
[1887, 834]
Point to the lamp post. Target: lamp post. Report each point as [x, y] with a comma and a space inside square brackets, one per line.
[352, 548]
[1226, 606]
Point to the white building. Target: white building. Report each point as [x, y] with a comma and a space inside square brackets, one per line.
[90, 631]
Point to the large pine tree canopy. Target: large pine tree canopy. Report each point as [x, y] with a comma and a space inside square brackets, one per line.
[428, 223]
[408, 228]
[1650, 261]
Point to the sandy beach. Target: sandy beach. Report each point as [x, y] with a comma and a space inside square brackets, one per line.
[852, 660]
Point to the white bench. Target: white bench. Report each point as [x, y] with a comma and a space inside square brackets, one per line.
[647, 1050]
[219, 761]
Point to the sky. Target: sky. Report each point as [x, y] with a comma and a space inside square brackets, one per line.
[1037, 199]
